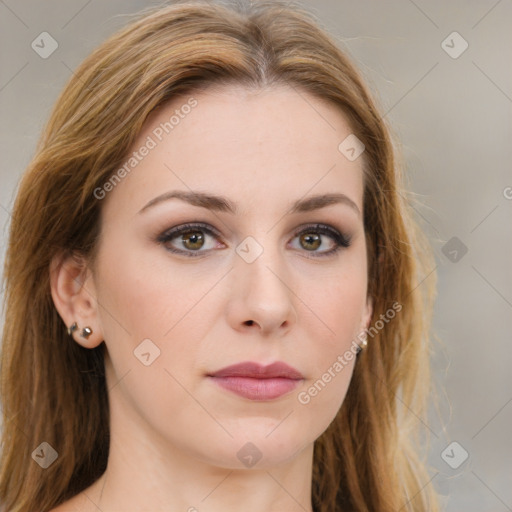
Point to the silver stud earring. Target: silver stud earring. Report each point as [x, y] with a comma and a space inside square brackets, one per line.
[86, 332]
[72, 328]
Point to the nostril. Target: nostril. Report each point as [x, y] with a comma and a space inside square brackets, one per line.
[249, 322]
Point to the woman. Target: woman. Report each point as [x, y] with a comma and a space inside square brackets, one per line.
[211, 281]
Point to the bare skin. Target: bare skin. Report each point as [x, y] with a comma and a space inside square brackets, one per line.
[176, 436]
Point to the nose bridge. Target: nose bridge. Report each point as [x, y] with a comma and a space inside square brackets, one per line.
[261, 266]
[262, 285]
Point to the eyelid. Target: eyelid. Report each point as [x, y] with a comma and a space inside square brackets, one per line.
[190, 226]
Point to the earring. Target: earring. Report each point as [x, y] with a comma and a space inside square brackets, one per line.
[72, 328]
[364, 344]
[86, 332]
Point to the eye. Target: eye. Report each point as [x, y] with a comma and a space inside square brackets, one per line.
[189, 239]
[313, 237]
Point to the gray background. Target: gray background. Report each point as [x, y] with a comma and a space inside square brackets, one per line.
[453, 119]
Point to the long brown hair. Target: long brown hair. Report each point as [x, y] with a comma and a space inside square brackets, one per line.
[54, 390]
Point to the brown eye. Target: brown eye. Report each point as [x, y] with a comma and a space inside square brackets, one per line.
[321, 240]
[310, 241]
[192, 240]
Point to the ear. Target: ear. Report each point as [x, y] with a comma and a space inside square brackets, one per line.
[74, 296]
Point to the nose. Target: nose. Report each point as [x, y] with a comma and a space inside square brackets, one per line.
[261, 297]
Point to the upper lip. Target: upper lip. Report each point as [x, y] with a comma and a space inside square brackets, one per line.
[258, 371]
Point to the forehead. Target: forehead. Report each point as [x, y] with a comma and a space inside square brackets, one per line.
[264, 144]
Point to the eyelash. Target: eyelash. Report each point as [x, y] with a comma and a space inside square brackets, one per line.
[341, 240]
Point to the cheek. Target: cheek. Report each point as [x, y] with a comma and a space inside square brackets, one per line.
[153, 320]
[142, 301]
[336, 304]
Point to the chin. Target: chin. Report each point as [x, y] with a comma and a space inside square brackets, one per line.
[248, 449]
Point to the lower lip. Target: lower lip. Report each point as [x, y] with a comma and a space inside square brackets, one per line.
[257, 389]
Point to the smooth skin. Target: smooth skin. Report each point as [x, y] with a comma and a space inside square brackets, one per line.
[175, 434]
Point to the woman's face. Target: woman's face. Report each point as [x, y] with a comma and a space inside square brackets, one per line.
[255, 279]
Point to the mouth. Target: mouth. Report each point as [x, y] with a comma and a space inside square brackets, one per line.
[257, 382]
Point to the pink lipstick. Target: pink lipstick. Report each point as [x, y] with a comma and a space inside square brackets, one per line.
[257, 382]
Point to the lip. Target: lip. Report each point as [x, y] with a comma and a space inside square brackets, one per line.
[258, 382]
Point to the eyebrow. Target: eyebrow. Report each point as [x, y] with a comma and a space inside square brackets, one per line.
[223, 204]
